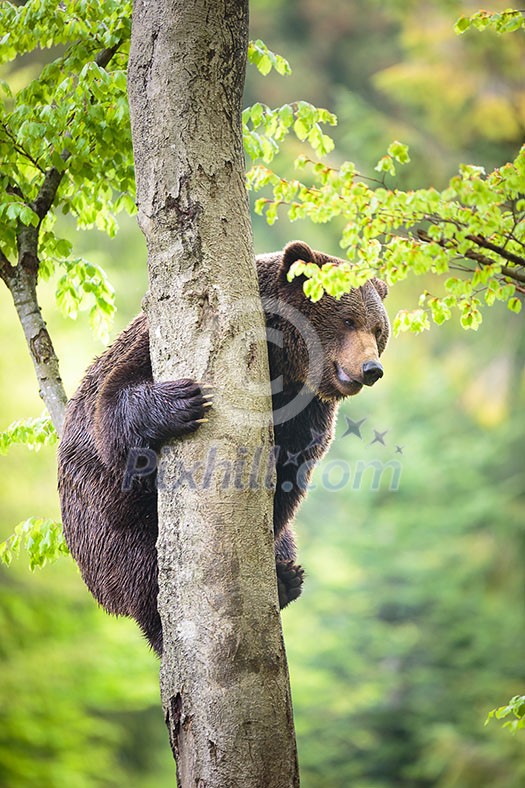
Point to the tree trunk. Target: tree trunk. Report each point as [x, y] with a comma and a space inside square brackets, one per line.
[224, 678]
[21, 281]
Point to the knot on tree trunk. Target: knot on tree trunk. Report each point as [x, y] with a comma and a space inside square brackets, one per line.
[41, 347]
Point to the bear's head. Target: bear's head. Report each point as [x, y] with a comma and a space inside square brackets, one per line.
[335, 347]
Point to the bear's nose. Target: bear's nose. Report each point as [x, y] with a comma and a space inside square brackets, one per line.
[372, 371]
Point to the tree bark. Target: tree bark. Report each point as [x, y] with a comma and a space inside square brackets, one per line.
[224, 678]
[21, 281]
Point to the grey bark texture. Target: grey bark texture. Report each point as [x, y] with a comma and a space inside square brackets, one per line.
[224, 677]
[21, 280]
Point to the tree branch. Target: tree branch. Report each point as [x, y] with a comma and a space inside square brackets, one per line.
[471, 254]
[479, 240]
[53, 177]
[28, 235]
[19, 148]
[21, 281]
[482, 259]
[48, 190]
[103, 58]
[3, 261]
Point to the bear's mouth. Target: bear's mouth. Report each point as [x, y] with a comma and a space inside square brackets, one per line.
[347, 385]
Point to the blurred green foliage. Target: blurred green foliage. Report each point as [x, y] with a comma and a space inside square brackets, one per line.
[411, 627]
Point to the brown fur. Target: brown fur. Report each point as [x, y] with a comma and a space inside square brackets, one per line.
[112, 532]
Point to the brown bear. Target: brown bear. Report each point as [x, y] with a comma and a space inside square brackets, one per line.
[319, 353]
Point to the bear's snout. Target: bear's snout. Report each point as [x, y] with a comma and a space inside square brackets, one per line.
[372, 371]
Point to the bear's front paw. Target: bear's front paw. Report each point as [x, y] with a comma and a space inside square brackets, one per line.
[183, 406]
[290, 578]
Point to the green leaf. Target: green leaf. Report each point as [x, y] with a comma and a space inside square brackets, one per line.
[440, 311]
[286, 115]
[385, 164]
[301, 129]
[256, 114]
[28, 216]
[271, 213]
[264, 59]
[414, 321]
[42, 538]
[470, 315]
[295, 270]
[461, 24]
[313, 290]
[399, 152]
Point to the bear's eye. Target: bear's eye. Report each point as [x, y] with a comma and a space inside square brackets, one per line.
[349, 323]
[377, 334]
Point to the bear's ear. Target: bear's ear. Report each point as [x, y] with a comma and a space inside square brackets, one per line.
[380, 286]
[293, 251]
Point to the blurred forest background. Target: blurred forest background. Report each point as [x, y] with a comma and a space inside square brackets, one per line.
[412, 625]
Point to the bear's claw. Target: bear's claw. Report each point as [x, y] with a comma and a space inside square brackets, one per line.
[290, 578]
[181, 407]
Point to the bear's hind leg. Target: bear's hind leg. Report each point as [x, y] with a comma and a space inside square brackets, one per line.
[290, 575]
[290, 578]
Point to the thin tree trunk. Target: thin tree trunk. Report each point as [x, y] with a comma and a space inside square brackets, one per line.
[21, 281]
[224, 678]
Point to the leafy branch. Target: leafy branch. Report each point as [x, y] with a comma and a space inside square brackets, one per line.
[504, 22]
[42, 538]
[50, 133]
[476, 225]
[65, 145]
[264, 128]
[33, 433]
[264, 59]
[516, 708]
